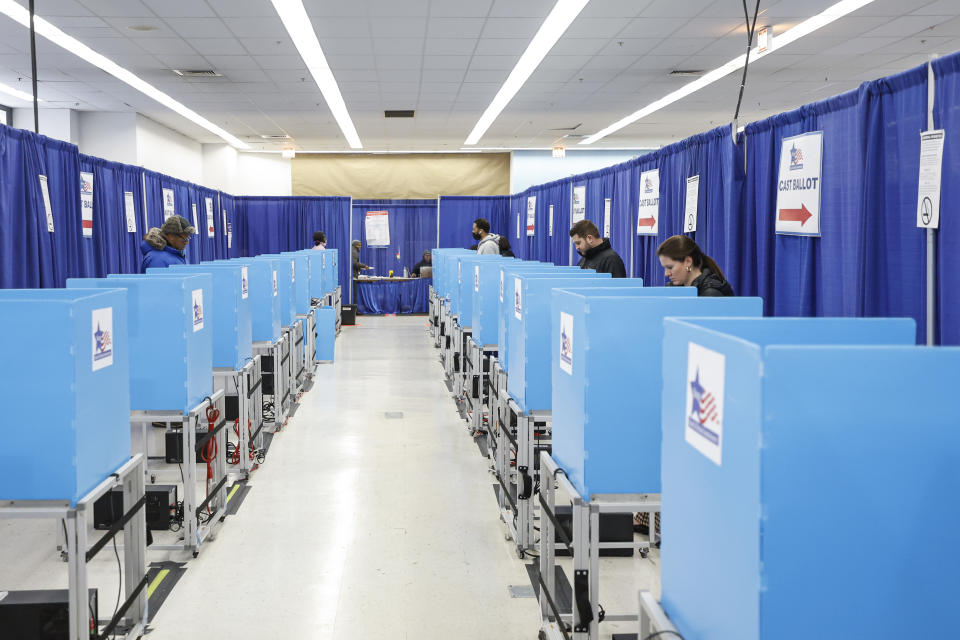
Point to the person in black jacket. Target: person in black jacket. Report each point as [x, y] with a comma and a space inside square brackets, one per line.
[596, 251]
[505, 249]
[685, 265]
[426, 262]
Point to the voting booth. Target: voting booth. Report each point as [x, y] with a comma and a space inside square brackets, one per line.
[607, 370]
[71, 353]
[793, 440]
[305, 345]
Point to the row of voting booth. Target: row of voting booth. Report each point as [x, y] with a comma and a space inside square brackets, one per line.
[165, 387]
[803, 468]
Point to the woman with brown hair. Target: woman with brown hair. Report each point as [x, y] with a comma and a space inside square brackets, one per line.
[685, 265]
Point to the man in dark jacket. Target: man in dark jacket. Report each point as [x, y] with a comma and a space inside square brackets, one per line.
[596, 251]
[164, 246]
[426, 262]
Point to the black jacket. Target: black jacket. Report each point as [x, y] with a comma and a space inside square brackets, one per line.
[419, 265]
[603, 259]
[710, 285]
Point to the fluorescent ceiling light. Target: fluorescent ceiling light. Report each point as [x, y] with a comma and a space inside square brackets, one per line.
[16, 93]
[806, 27]
[563, 13]
[74, 46]
[298, 25]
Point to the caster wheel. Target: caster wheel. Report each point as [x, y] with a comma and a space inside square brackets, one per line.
[644, 553]
[521, 554]
[506, 536]
[196, 553]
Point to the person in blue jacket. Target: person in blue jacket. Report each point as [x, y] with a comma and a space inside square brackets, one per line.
[164, 246]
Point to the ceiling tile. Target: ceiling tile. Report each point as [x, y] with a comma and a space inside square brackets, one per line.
[232, 62]
[502, 46]
[333, 27]
[199, 27]
[269, 46]
[398, 27]
[486, 75]
[461, 8]
[281, 62]
[579, 46]
[343, 46]
[179, 8]
[400, 75]
[111, 46]
[446, 62]
[450, 46]
[630, 46]
[122, 25]
[164, 45]
[237, 9]
[263, 27]
[455, 27]
[444, 75]
[525, 9]
[511, 27]
[218, 46]
[399, 62]
[398, 46]
[127, 8]
[645, 27]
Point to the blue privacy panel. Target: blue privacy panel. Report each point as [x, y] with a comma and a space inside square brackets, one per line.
[285, 268]
[300, 273]
[334, 280]
[463, 300]
[317, 259]
[812, 444]
[607, 394]
[528, 336]
[444, 269]
[506, 297]
[230, 311]
[326, 332]
[171, 337]
[486, 302]
[66, 396]
[264, 298]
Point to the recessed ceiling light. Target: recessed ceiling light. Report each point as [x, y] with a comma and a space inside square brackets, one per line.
[141, 27]
[562, 14]
[808, 26]
[53, 34]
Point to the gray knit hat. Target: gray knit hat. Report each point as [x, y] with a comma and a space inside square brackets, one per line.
[177, 226]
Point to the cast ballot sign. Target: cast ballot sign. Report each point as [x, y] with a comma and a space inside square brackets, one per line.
[798, 185]
[648, 211]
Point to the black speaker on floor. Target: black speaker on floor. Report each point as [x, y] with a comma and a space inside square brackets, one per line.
[348, 314]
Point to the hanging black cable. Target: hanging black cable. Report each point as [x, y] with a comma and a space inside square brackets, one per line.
[746, 63]
[33, 62]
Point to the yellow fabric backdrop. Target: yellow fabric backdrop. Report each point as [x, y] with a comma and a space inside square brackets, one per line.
[402, 175]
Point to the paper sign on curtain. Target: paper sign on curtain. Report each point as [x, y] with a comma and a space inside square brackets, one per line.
[579, 205]
[690, 209]
[169, 208]
[196, 226]
[931, 171]
[208, 202]
[798, 185]
[131, 211]
[551, 221]
[648, 211]
[531, 215]
[606, 217]
[378, 228]
[86, 204]
[45, 193]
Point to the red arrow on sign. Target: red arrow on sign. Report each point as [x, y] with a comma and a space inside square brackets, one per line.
[646, 222]
[800, 215]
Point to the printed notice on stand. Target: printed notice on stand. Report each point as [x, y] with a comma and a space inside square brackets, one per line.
[377, 224]
[798, 185]
[931, 171]
[130, 210]
[690, 208]
[86, 204]
[606, 217]
[45, 192]
[551, 221]
[579, 205]
[169, 208]
[648, 211]
[196, 226]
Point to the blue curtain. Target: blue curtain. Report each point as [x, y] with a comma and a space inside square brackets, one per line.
[457, 214]
[946, 113]
[413, 230]
[543, 245]
[113, 249]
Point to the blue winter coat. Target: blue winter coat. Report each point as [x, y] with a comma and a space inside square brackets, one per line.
[153, 257]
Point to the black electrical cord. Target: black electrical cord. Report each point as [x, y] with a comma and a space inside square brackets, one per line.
[660, 634]
[746, 63]
[116, 607]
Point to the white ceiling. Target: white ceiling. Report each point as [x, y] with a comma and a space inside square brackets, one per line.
[447, 58]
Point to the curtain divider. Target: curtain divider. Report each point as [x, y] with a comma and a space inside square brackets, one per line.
[931, 233]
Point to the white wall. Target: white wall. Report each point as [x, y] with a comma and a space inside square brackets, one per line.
[220, 167]
[61, 124]
[168, 152]
[263, 174]
[529, 168]
[108, 135]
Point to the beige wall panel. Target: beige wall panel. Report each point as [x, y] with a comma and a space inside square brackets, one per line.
[412, 175]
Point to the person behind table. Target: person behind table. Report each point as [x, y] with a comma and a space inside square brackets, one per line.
[685, 265]
[319, 240]
[487, 243]
[596, 252]
[355, 259]
[505, 249]
[425, 262]
[164, 246]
